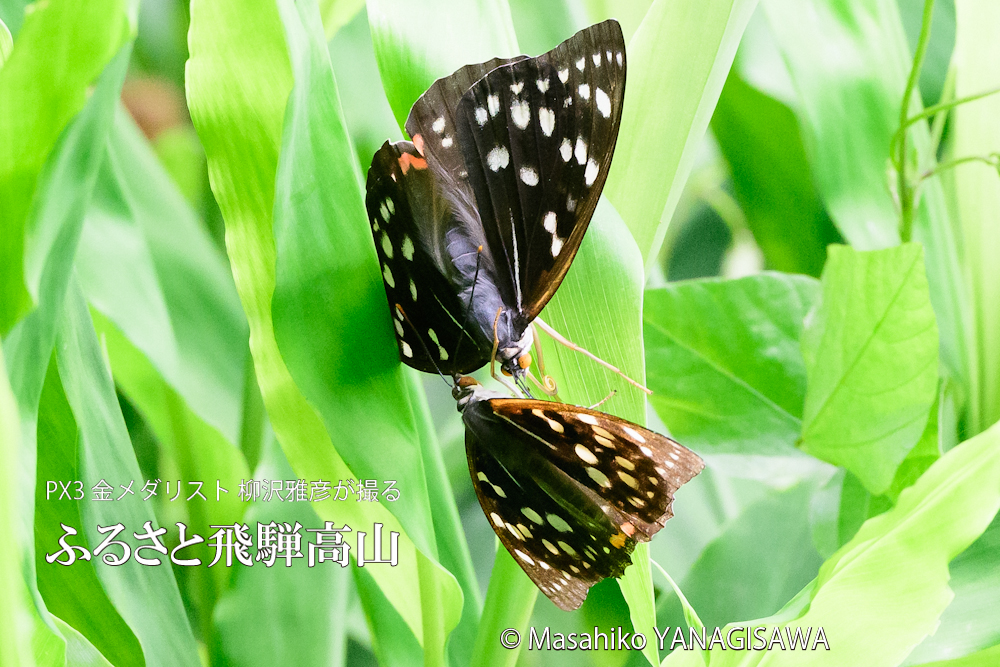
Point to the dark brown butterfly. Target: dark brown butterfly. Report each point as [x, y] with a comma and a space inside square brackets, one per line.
[568, 490]
[477, 220]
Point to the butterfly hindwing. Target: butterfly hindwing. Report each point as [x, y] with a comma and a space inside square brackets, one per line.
[552, 527]
[430, 320]
[571, 476]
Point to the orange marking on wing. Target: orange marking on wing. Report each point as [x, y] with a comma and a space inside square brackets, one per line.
[628, 529]
[406, 161]
[418, 143]
[618, 541]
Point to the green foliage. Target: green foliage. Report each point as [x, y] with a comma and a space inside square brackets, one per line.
[871, 360]
[139, 344]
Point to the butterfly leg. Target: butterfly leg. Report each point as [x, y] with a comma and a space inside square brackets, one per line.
[573, 346]
[493, 358]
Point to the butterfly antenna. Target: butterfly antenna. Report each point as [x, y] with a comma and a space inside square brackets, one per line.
[603, 400]
[576, 348]
[472, 295]
[423, 345]
[548, 383]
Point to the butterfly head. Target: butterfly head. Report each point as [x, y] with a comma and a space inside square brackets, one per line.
[516, 359]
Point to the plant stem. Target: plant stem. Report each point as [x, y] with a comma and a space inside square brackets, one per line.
[905, 190]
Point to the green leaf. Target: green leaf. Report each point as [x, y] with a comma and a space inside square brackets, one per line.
[724, 362]
[79, 651]
[413, 48]
[677, 64]
[241, 129]
[968, 624]
[976, 192]
[6, 44]
[15, 598]
[773, 182]
[762, 558]
[849, 62]
[39, 94]
[65, 184]
[146, 597]
[985, 658]
[282, 615]
[74, 594]
[871, 361]
[866, 602]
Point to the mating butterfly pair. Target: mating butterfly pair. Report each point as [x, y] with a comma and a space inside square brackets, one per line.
[476, 222]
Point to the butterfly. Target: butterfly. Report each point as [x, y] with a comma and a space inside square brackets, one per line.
[477, 219]
[568, 490]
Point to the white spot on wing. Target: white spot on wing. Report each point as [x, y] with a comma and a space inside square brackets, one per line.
[587, 419]
[547, 120]
[570, 203]
[584, 91]
[481, 116]
[523, 556]
[389, 205]
[529, 176]
[549, 222]
[407, 247]
[564, 75]
[566, 150]
[635, 435]
[603, 102]
[597, 59]
[581, 63]
[581, 150]
[585, 454]
[590, 175]
[446, 142]
[498, 158]
[532, 514]
[618, 58]
[517, 88]
[559, 523]
[438, 125]
[386, 245]
[543, 85]
[387, 275]
[407, 350]
[557, 244]
[599, 477]
[493, 102]
[384, 211]
[413, 289]
[520, 113]
[399, 327]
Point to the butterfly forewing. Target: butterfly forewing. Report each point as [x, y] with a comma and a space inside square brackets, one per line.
[429, 317]
[532, 459]
[537, 136]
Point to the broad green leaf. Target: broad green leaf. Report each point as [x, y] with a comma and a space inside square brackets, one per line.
[413, 48]
[79, 651]
[39, 94]
[146, 262]
[74, 593]
[759, 137]
[599, 307]
[344, 356]
[65, 184]
[866, 602]
[677, 64]
[330, 315]
[762, 558]
[724, 362]
[16, 616]
[969, 623]
[849, 62]
[540, 31]
[146, 597]
[338, 13]
[509, 601]
[871, 349]
[282, 615]
[976, 191]
[241, 129]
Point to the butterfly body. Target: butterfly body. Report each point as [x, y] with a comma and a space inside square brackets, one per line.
[477, 219]
[568, 490]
